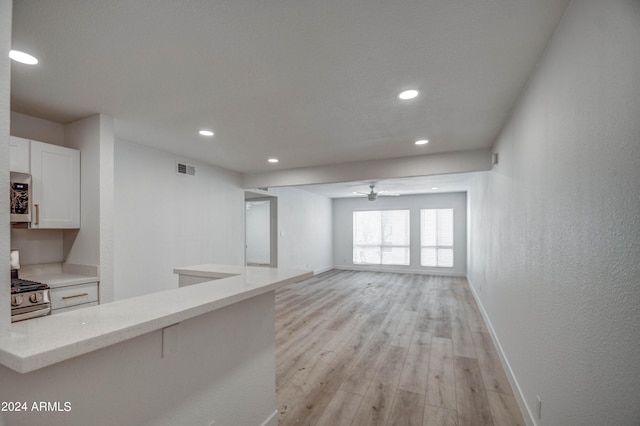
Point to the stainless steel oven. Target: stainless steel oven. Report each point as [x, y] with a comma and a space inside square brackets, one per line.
[29, 299]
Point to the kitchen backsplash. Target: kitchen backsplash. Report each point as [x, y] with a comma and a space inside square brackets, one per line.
[38, 245]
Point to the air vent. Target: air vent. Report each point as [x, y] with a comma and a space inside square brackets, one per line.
[185, 169]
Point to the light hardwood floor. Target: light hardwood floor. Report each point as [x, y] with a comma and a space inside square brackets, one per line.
[371, 348]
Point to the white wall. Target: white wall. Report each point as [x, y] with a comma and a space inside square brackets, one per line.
[304, 230]
[5, 87]
[343, 209]
[555, 234]
[163, 220]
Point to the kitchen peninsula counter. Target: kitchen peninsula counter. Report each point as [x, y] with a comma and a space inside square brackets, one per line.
[198, 355]
[40, 342]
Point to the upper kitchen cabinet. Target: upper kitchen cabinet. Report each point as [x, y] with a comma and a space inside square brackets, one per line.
[55, 173]
[19, 155]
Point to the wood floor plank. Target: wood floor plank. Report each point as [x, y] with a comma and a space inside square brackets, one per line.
[474, 317]
[416, 367]
[365, 367]
[341, 410]
[311, 373]
[404, 331]
[376, 406]
[494, 376]
[377, 348]
[392, 365]
[439, 416]
[505, 410]
[407, 409]
[313, 402]
[472, 401]
[441, 381]
[461, 333]
[287, 396]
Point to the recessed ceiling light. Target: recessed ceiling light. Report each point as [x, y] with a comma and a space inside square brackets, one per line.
[435, 187]
[272, 160]
[206, 132]
[22, 57]
[421, 142]
[408, 94]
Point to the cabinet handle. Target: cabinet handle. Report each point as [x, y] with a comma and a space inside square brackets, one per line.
[74, 296]
[37, 206]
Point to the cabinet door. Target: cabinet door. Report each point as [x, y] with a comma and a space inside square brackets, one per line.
[19, 155]
[55, 173]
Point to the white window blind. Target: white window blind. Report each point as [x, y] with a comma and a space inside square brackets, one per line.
[436, 237]
[381, 237]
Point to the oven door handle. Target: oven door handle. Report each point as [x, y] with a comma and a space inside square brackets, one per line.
[40, 312]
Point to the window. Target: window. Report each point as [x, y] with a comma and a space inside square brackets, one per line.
[381, 237]
[436, 237]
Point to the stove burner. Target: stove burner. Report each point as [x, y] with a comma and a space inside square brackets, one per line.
[18, 285]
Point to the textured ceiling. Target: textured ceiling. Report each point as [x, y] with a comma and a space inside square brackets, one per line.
[309, 82]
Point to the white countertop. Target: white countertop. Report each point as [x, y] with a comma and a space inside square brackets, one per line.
[60, 275]
[40, 342]
[61, 279]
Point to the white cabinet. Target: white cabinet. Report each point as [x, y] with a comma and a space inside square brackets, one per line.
[55, 187]
[72, 297]
[19, 155]
[55, 173]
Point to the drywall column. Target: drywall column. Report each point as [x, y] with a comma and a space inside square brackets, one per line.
[5, 86]
[93, 243]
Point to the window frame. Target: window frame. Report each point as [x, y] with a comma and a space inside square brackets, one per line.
[437, 246]
[382, 245]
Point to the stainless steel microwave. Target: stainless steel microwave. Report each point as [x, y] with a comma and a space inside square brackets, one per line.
[20, 193]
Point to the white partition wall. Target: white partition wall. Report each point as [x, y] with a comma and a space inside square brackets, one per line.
[555, 235]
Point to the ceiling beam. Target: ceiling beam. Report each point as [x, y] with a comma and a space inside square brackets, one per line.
[423, 165]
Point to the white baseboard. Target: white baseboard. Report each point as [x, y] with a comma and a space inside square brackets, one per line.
[321, 270]
[524, 409]
[399, 270]
[272, 420]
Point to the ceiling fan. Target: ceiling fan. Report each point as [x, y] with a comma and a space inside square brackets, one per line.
[372, 196]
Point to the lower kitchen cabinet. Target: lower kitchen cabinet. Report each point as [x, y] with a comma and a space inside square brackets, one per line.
[72, 297]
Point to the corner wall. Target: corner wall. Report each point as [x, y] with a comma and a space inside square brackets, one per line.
[304, 230]
[92, 244]
[555, 229]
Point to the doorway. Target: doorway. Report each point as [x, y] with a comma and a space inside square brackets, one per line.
[261, 230]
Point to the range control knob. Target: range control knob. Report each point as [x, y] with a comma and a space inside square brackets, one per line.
[36, 297]
[16, 300]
